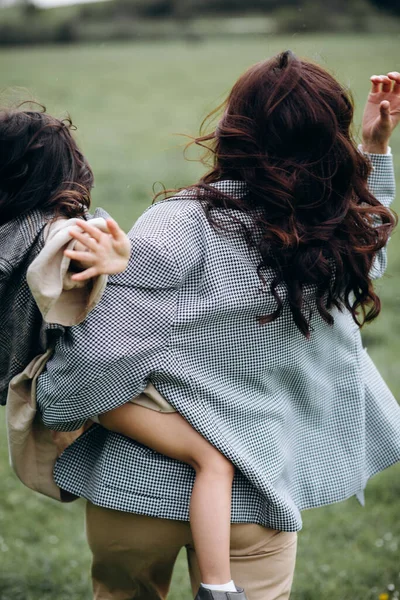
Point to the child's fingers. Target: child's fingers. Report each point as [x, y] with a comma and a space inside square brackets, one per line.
[94, 232]
[82, 257]
[122, 244]
[87, 274]
[84, 239]
[115, 230]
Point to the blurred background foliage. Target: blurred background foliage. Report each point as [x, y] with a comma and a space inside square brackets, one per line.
[23, 22]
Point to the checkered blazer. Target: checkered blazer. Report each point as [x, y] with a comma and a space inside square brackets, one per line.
[23, 334]
[305, 422]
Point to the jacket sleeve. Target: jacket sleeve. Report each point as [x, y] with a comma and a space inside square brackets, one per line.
[105, 361]
[382, 184]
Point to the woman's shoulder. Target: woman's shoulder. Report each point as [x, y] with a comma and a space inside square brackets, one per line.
[166, 244]
[174, 224]
[169, 212]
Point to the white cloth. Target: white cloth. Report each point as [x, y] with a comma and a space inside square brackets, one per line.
[59, 298]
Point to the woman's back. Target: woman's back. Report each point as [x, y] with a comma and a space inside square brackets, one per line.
[241, 305]
[287, 410]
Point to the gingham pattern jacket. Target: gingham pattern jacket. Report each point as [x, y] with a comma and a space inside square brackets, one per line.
[305, 422]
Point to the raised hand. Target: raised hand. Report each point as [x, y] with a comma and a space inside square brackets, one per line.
[382, 112]
[99, 253]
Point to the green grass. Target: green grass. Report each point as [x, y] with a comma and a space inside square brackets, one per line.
[128, 102]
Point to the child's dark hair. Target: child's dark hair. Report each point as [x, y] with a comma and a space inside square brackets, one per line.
[41, 166]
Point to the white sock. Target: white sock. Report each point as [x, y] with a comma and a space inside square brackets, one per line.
[221, 587]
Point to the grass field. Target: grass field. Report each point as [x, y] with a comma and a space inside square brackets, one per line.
[128, 102]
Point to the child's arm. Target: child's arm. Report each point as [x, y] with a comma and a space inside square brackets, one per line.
[97, 252]
[62, 294]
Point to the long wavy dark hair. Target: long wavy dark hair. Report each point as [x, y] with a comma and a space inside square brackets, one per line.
[286, 132]
[41, 165]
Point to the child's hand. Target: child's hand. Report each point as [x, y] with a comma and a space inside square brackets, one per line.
[103, 254]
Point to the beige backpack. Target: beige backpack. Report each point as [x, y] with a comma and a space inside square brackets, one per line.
[34, 449]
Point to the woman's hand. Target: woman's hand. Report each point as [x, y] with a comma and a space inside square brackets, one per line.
[382, 112]
[99, 253]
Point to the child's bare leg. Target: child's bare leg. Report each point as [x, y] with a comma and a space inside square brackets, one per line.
[210, 505]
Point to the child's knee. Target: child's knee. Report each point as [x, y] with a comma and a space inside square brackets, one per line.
[214, 464]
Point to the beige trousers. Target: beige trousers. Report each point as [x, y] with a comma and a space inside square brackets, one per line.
[134, 555]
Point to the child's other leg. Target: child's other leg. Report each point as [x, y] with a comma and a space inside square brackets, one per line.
[210, 505]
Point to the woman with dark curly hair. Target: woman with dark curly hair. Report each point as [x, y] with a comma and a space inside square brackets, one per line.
[241, 308]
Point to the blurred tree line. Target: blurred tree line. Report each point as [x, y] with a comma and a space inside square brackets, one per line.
[25, 23]
[178, 8]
